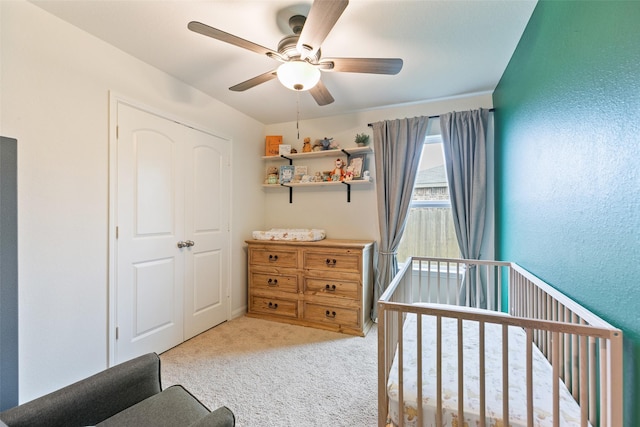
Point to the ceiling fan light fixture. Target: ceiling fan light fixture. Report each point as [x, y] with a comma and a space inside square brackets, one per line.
[298, 75]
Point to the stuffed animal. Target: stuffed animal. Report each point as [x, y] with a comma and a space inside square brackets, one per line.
[348, 174]
[306, 147]
[272, 175]
[337, 174]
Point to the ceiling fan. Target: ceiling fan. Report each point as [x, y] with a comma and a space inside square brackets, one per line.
[300, 53]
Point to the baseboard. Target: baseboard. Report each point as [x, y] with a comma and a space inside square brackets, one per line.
[239, 312]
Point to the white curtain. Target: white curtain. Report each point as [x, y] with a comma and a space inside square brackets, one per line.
[464, 137]
[397, 145]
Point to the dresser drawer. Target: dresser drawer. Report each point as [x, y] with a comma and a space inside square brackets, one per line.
[276, 282]
[274, 306]
[273, 257]
[331, 287]
[349, 262]
[339, 316]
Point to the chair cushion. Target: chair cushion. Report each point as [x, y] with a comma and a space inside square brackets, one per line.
[174, 406]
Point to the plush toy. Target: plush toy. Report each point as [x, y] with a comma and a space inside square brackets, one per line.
[272, 175]
[337, 174]
[348, 174]
[306, 147]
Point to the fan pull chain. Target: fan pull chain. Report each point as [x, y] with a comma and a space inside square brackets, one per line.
[298, 114]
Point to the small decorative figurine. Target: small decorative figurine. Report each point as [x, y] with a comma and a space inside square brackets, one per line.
[337, 174]
[326, 143]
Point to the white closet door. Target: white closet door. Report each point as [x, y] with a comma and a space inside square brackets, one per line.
[172, 220]
[207, 200]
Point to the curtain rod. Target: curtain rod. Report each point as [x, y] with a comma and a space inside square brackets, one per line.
[437, 116]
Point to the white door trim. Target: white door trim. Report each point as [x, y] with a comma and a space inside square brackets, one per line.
[114, 100]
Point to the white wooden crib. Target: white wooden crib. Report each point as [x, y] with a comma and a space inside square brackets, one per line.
[472, 367]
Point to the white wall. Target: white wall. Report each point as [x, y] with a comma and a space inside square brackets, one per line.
[329, 210]
[55, 84]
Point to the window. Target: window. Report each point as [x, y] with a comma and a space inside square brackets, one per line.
[429, 230]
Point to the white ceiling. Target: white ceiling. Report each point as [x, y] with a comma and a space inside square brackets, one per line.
[449, 47]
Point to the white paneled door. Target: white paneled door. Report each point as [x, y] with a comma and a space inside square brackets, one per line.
[172, 239]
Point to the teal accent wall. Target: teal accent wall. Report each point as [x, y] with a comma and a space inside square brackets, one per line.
[567, 115]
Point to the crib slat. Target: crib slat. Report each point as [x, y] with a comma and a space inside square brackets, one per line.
[505, 374]
[467, 286]
[427, 281]
[400, 373]
[383, 370]
[567, 352]
[478, 283]
[419, 367]
[584, 390]
[537, 313]
[555, 356]
[438, 284]
[604, 389]
[448, 283]
[439, 370]
[499, 285]
[529, 332]
[592, 380]
[482, 375]
[551, 315]
[489, 288]
[460, 373]
[575, 365]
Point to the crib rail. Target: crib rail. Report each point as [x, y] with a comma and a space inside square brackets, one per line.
[585, 352]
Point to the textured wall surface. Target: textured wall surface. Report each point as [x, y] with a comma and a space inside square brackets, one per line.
[568, 148]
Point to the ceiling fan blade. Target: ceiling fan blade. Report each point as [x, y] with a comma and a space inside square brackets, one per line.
[321, 94]
[217, 34]
[255, 81]
[322, 17]
[362, 65]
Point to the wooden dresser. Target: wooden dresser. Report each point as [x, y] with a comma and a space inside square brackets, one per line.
[325, 284]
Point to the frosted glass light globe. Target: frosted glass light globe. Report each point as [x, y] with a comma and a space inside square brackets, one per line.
[298, 75]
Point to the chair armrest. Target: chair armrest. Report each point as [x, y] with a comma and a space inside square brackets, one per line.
[221, 417]
[91, 400]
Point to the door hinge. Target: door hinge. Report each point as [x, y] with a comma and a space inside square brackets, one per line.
[117, 232]
[117, 332]
[117, 132]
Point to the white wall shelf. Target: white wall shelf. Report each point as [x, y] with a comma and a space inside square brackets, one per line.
[317, 154]
[322, 153]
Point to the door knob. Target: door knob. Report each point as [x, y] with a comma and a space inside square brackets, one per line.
[186, 244]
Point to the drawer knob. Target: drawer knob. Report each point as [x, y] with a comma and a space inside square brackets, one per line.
[273, 258]
[330, 262]
[330, 288]
[330, 314]
[273, 306]
[272, 282]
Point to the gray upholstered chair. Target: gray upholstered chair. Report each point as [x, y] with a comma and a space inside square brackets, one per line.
[128, 394]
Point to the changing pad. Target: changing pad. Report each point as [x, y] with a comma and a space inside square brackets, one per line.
[290, 234]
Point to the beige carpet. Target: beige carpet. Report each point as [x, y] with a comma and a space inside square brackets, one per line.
[275, 374]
